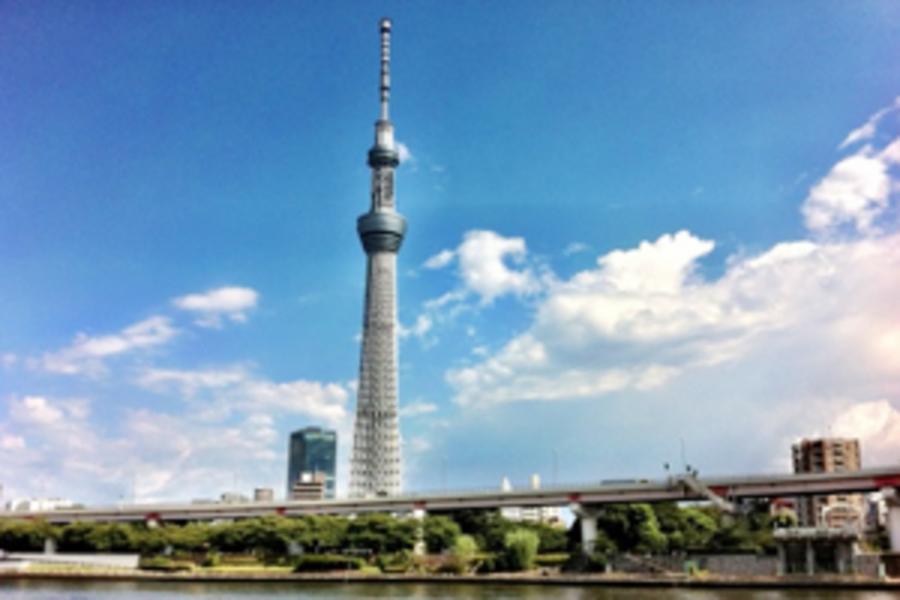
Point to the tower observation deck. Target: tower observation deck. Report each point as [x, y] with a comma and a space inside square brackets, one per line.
[376, 463]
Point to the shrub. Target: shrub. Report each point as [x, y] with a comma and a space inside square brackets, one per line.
[328, 562]
[401, 562]
[579, 562]
[487, 562]
[520, 549]
[238, 560]
[557, 559]
[212, 559]
[164, 563]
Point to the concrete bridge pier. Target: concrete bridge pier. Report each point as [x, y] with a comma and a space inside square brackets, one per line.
[892, 498]
[587, 515]
[419, 514]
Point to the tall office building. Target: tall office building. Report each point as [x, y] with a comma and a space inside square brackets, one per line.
[375, 467]
[312, 452]
[828, 455]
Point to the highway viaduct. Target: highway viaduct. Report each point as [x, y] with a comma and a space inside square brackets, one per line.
[585, 499]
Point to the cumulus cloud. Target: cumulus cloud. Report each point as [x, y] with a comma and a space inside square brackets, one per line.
[226, 390]
[214, 306]
[643, 317]
[229, 430]
[484, 266]
[440, 260]
[857, 190]
[36, 410]
[877, 426]
[86, 354]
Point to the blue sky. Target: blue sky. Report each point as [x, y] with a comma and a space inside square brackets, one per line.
[631, 225]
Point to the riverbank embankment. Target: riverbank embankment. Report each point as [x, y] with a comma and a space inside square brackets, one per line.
[532, 578]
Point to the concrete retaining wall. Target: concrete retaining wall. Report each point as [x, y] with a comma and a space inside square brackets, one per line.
[117, 561]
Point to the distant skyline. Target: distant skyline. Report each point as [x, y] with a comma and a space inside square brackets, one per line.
[631, 226]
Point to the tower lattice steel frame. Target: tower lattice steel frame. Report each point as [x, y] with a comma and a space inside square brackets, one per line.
[376, 464]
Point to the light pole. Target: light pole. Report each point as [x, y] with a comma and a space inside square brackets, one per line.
[555, 466]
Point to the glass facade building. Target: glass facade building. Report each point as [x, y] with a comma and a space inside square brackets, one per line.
[312, 450]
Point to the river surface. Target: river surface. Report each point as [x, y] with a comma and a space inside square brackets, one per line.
[55, 590]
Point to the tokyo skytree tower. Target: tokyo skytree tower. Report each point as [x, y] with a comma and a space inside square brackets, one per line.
[375, 467]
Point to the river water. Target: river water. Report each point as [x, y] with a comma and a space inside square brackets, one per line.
[53, 590]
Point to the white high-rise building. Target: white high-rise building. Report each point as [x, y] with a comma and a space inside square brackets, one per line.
[533, 514]
[375, 467]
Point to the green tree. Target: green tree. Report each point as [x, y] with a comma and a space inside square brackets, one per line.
[463, 553]
[111, 537]
[552, 539]
[380, 533]
[440, 533]
[520, 549]
[25, 536]
[324, 532]
[192, 537]
[632, 528]
[487, 527]
[75, 537]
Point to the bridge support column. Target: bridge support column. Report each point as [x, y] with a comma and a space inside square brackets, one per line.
[893, 525]
[588, 517]
[810, 558]
[891, 497]
[420, 548]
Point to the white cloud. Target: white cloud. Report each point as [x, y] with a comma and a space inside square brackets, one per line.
[857, 190]
[868, 129]
[86, 353]
[877, 426]
[226, 390]
[8, 360]
[35, 410]
[404, 153]
[575, 248]
[228, 432]
[484, 258]
[12, 442]
[440, 260]
[417, 409]
[419, 329]
[661, 266]
[643, 317]
[213, 306]
[190, 382]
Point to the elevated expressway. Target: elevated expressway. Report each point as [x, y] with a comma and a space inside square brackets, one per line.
[721, 490]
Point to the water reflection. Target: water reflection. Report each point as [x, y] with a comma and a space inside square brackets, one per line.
[55, 590]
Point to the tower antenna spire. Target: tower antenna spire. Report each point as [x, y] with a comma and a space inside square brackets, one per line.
[376, 465]
[385, 67]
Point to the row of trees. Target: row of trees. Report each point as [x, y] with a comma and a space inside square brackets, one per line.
[660, 528]
[667, 528]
